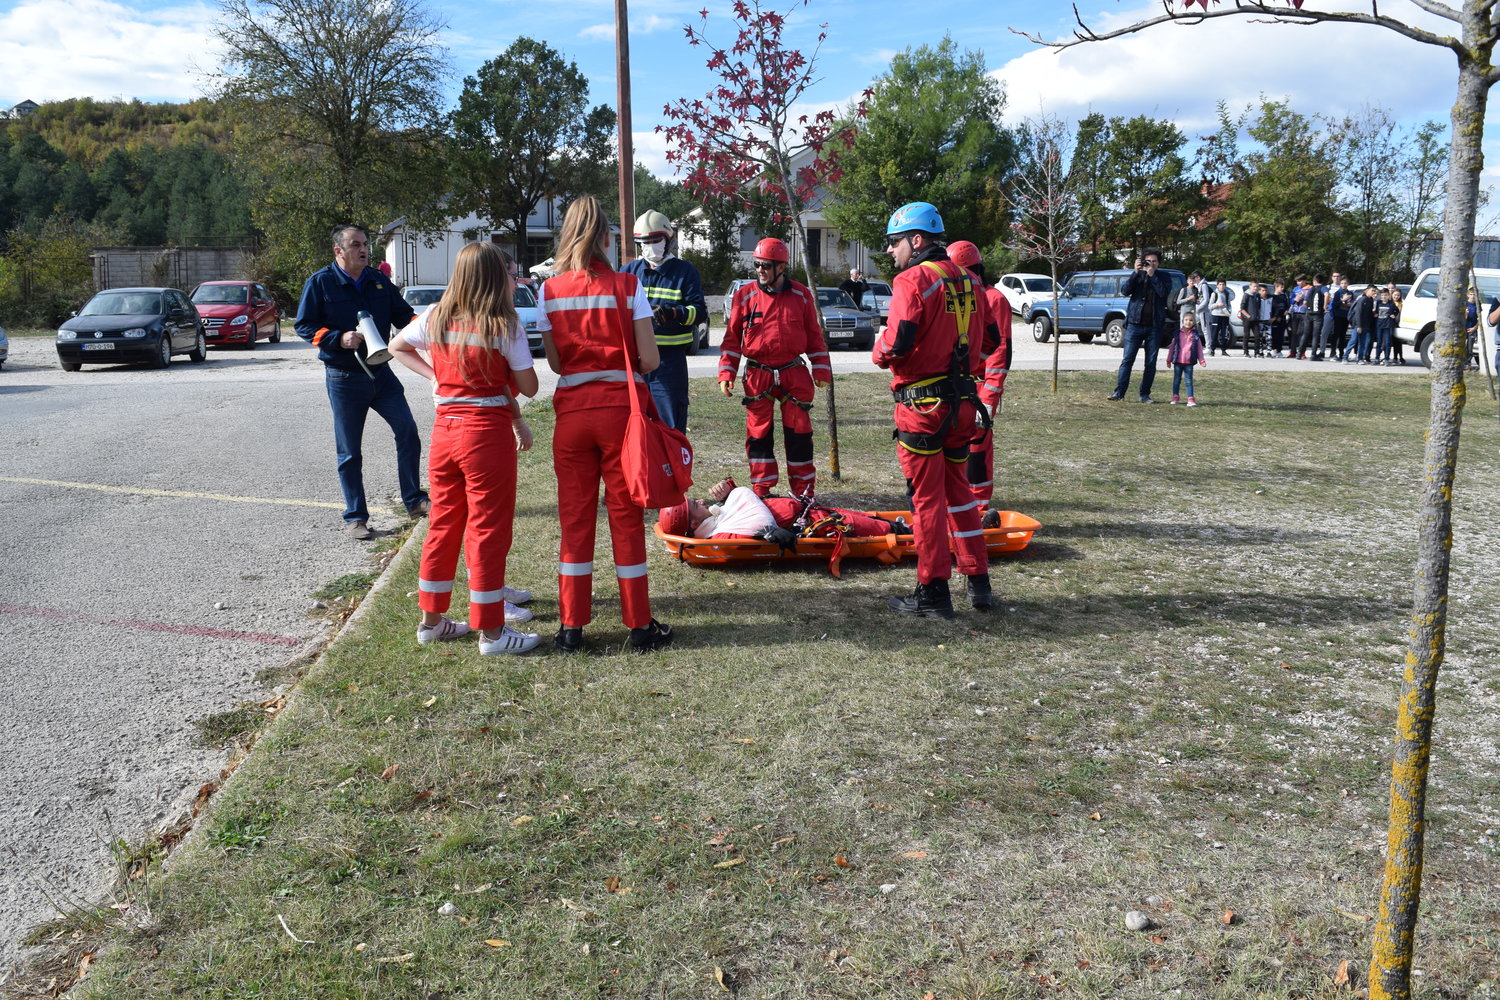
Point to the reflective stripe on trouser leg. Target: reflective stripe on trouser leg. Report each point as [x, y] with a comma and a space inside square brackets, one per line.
[576, 461]
[796, 431]
[760, 446]
[488, 460]
[937, 483]
[627, 531]
[979, 469]
[964, 518]
[446, 520]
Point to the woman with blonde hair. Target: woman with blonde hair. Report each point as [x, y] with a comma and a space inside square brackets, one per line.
[589, 316]
[479, 361]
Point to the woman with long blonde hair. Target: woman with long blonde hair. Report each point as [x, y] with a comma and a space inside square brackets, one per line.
[479, 360]
[590, 315]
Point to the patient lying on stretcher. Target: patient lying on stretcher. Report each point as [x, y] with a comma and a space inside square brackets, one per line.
[739, 513]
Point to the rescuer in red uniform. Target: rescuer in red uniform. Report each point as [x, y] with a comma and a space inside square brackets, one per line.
[479, 361]
[980, 469]
[585, 315]
[773, 322]
[932, 346]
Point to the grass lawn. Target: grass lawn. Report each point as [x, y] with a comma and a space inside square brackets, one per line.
[1184, 706]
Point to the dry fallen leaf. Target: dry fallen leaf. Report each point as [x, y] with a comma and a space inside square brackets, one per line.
[422, 796]
[841, 861]
[484, 888]
[84, 963]
[521, 820]
[914, 854]
[612, 884]
[1230, 917]
[730, 863]
[1096, 817]
[719, 978]
[1355, 916]
[398, 958]
[783, 840]
[430, 702]
[1344, 977]
[497, 942]
[389, 772]
[746, 742]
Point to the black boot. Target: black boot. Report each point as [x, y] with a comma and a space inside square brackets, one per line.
[979, 592]
[928, 599]
[653, 636]
[568, 640]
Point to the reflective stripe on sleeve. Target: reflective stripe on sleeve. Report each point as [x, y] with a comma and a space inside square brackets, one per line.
[575, 568]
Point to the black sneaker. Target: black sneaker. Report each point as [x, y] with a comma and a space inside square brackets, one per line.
[1115, 397]
[928, 599]
[1147, 399]
[653, 636]
[980, 595]
[568, 640]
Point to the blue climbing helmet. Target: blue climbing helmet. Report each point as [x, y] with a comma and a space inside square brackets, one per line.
[915, 217]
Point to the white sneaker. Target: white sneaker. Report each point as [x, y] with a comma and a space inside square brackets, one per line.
[507, 642]
[444, 630]
[515, 614]
[515, 596]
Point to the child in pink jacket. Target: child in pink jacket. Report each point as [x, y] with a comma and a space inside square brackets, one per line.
[1183, 351]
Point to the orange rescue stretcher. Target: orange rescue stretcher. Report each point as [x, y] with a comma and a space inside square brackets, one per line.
[1014, 534]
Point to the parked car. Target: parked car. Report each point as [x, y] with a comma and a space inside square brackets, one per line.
[1091, 304]
[424, 297]
[237, 312]
[1419, 309]
[844, 323]
[1022, 290]
[4, 347]
[132, 324]
[877, 299]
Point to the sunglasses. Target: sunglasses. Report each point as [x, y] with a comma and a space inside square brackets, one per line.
[891, 241]
[765, 265]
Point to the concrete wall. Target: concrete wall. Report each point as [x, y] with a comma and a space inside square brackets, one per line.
[173, 267]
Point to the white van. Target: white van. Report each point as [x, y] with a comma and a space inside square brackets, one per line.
[1419, 309]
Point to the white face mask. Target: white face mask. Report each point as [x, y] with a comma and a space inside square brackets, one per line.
[654, 253]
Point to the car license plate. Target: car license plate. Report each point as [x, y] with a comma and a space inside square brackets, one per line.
[841, 333]
[98, 347]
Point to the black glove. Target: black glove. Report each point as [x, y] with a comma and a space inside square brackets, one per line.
[779, 535]
[668, 315]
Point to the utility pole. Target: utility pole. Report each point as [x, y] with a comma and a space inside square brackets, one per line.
[627, 146]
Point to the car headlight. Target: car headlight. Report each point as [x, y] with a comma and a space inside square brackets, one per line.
[66, 335]
[134, 333]
[531, 326]
[239, 321]
[864, 326]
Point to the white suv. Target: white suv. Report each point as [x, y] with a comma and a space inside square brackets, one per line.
[1419, 308]
[1023, 290]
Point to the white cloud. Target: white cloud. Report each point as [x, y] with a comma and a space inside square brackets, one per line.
[58, 49]
[601, 32]
[648, 25]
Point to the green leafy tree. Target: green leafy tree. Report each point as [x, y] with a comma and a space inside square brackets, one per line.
[524, 131]
[1421, 174]
[1371, 151]
[1150, 193]
[45, 273]
[930, 131]
[333, 104]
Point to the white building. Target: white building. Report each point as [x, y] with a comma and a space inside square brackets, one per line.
[426, 258]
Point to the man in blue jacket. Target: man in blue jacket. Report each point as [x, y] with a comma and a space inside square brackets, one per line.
[676, 295]
[1145, 319]
[327, 318]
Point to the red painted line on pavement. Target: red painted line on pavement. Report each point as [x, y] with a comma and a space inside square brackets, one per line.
[196, 630]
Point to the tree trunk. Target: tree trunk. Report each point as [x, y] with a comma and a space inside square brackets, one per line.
[1395, 932]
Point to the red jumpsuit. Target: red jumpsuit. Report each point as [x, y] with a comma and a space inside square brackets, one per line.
[937, 323]
[589, 329]
[771, 331]
[471, 470]
[981, 466]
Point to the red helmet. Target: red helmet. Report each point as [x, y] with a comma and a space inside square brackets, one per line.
[771, 248]
[675, 520]
[963, 253]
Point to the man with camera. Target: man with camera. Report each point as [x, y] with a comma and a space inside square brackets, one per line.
[1145, 319]
[328, 318]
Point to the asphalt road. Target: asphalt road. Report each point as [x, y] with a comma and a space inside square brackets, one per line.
[133, 502]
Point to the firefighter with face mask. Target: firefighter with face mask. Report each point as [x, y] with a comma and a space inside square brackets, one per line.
[773, 323]
[939, 321]
[676, 295]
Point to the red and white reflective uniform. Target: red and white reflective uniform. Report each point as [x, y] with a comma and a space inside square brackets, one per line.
[771, 331]
[471, 468]
[590, 332]
[935, 305]
[980, 470]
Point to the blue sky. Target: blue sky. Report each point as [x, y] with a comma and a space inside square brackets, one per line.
[153, 50]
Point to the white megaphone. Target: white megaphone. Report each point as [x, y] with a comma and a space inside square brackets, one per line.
[379, 353]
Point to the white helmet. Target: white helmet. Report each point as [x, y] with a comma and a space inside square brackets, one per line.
[653, 223]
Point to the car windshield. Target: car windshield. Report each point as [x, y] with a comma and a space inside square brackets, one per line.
[123, 304]
[1038, 284]
[524, 299]
[880, 288]
[423, 296]
[834, 298]
[214, 295]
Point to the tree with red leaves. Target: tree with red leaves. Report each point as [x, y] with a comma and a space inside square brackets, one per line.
[1476, 29]
[739, 142]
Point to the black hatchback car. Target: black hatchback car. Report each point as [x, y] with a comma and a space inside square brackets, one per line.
[132, 324]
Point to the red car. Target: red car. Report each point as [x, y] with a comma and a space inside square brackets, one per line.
[237, 312]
